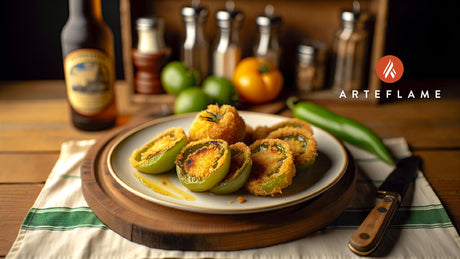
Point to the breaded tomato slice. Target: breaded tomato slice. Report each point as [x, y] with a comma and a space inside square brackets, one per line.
[272, 167]
[262, 131]
[218, 122]
[159, 154]
[203, 164]
[240, 169]
[302, 144]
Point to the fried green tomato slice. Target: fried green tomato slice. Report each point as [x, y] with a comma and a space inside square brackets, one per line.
[272, 167]
[240, 169]
[218, 122]
[203, 164]
[159, 155]
[302, 144]
[262, 131]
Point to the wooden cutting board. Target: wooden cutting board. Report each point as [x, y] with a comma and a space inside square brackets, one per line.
[156, 226]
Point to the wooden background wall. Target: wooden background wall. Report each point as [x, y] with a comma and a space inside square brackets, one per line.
[420, 32]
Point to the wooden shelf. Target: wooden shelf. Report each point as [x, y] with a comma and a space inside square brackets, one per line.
[313, 20]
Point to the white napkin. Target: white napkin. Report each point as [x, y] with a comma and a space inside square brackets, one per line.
[61, 224]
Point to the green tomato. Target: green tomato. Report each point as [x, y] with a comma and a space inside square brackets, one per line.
[301, 143]
[191, 100]
[273, 167]
[176, 76]
[221, 90]
[203, 164]
[159, 154]
[240, 169]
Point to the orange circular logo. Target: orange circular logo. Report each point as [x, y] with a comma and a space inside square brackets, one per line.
[389, 69]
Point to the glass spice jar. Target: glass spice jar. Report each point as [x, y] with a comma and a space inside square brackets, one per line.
[150, 34]
[195, 48]
[227, 52]
[150, 55]
[310, 70]
[349, 50]
[268, 45]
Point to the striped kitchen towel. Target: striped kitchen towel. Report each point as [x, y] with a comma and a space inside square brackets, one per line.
[61, 225]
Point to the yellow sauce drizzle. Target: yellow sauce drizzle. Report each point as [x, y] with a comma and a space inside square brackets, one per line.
[163, 185]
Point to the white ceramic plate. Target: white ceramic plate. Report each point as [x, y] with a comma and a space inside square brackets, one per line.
[328, 169]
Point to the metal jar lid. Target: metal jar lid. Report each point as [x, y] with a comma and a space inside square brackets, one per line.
[147, 23]
[312, 50]
[349, 16]
[268, 19]
[305, 49]
[229, 17]
[356, 14]
[226, 18]
[191, 13]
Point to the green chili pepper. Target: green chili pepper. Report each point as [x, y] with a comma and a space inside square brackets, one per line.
[202, 164]
[158, 155]
[343, 128]
[273, 167]
[240, 169]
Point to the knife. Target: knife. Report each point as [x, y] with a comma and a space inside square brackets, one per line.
[368, 236]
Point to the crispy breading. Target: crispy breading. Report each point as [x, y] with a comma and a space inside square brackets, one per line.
[162, 142]
[240, 153]
[200, 163]
[241, 199]
[301, 142]
[262, 131]
[272, 169]
[294, 123]
[159, 144]
[218, 122]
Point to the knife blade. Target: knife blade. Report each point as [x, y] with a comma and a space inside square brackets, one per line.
[369, 235]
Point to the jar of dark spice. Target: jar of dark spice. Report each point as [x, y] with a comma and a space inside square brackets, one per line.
[150, 55]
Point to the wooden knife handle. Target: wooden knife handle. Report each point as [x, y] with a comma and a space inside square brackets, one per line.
[368, 236]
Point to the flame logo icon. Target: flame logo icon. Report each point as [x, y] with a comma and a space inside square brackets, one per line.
[389, 69]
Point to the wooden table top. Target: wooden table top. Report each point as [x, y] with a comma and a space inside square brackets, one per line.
[34, 121]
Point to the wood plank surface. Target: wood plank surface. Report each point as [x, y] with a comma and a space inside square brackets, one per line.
[15, 202]
[32, 90]
[441, 168]
[37, 125]
[433, 124]
[26, 167]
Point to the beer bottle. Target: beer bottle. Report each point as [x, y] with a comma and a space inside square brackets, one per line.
[89, 68]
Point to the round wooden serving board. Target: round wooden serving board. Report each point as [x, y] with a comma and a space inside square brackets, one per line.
[157, 226]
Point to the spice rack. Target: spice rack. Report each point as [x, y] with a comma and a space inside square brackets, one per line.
[313, 20]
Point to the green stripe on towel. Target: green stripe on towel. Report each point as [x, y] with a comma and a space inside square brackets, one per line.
[405, 218]
[61, 219]
[68, 176]
[65, 218]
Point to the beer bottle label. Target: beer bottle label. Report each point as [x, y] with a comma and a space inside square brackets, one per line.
[89, 76]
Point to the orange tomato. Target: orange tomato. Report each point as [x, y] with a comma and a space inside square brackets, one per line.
[257, 80]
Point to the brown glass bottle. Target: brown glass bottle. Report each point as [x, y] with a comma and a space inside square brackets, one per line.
[89, 68]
